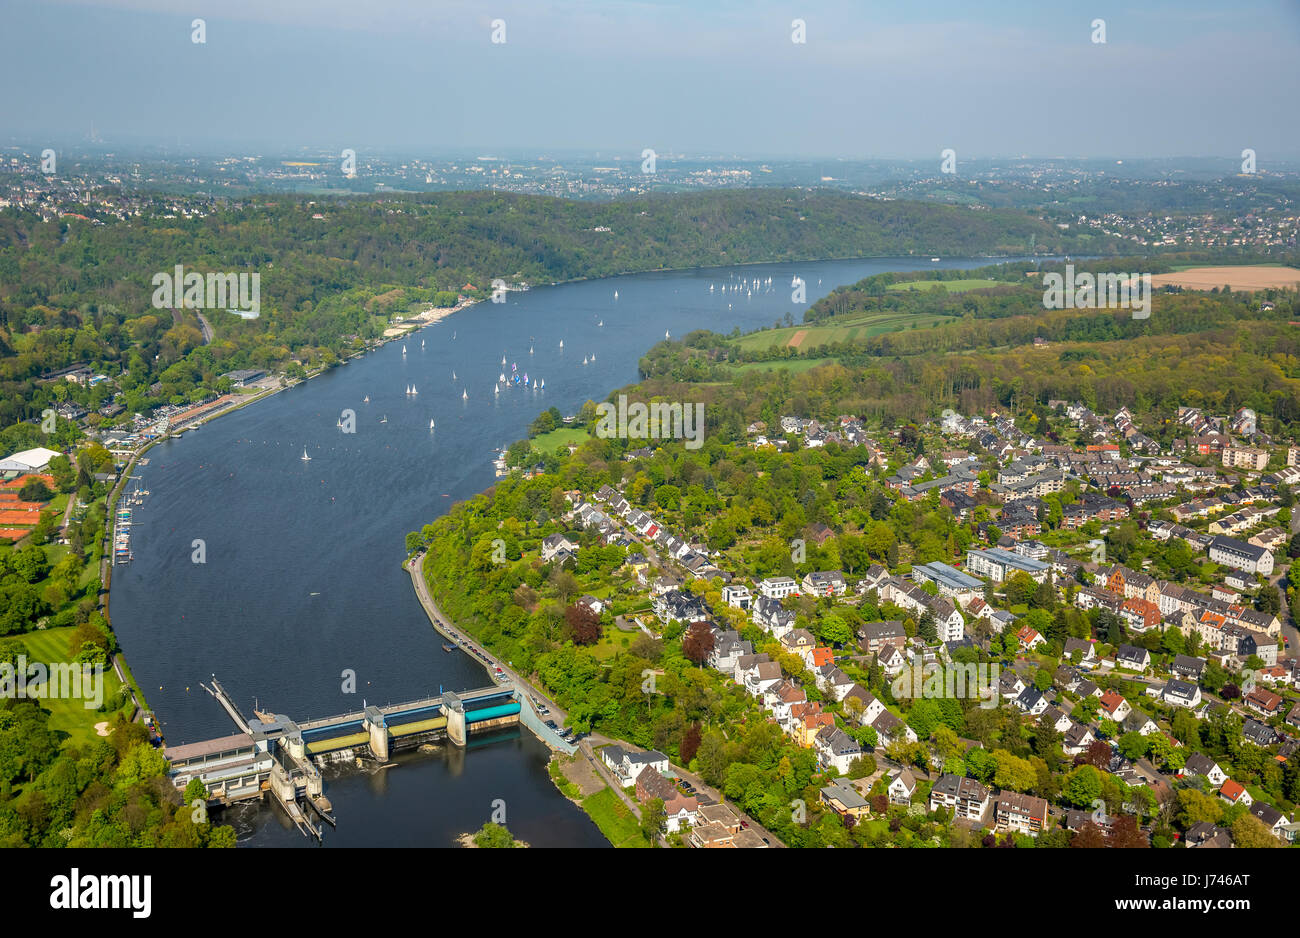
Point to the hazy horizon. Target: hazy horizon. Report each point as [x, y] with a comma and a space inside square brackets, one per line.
[877, 81]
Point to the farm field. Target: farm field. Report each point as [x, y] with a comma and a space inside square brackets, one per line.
[952, 286]
[1238, 278]
[796, 365]
[849, 329]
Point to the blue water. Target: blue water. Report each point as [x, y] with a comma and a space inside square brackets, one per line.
[303, 575]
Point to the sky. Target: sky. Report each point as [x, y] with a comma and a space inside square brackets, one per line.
[689, 77]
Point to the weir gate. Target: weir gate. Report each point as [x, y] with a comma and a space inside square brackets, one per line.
[277, 755]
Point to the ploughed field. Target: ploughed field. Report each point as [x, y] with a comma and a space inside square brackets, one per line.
[1238, 278]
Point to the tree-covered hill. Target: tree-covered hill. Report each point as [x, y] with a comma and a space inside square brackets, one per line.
[331, 271]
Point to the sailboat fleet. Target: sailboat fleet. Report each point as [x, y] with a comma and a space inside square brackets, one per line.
[748, 285]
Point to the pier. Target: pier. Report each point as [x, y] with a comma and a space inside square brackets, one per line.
[273, 754]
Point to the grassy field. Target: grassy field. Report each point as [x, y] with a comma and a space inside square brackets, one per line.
[952, 286]
[550, 442]
[796, 365]
[848, 329]
[615, 819]
[69, 717]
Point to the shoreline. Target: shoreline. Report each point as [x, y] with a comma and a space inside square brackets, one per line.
[118, 659]
[430, 316]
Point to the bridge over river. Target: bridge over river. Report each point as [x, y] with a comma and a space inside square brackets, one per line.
[274, 754]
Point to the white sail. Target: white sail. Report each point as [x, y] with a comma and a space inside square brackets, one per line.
[430, 424]
[464, 395]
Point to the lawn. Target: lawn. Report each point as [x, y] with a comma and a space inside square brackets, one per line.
[615, 820]
[556, 439]
[612, 641]
[70, 717]
[952, 286]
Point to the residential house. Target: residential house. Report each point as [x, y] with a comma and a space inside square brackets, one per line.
[1025, 814]
[1235, 793]
[1132, 658]
[965, 797]
[1115, 707]
[737, 595]
[825, 583]
[1202, 765]
[845, 800]
[779, 587]
[902, 785]
[836, 749]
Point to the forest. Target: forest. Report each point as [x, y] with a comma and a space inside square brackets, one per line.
[334, 271]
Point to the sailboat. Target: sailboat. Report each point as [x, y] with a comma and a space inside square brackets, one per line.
[616, 294]
[453, 376]
[561, 343]
[593, 356]
[503, 359]
[422, 343]
[584, 359]
[543, 384]
[384, 419]
[366, 399]
[403, 350]
[430, 424]
[408, 390]
[464, 395]
[496, 389]
[530, 350]
[601, 323]
[305, 457]
[414, 391]
[666, 331]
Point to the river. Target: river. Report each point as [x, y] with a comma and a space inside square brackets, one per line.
[302, 576]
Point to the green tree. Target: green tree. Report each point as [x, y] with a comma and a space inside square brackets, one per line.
[494, 836]
[654, 820]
